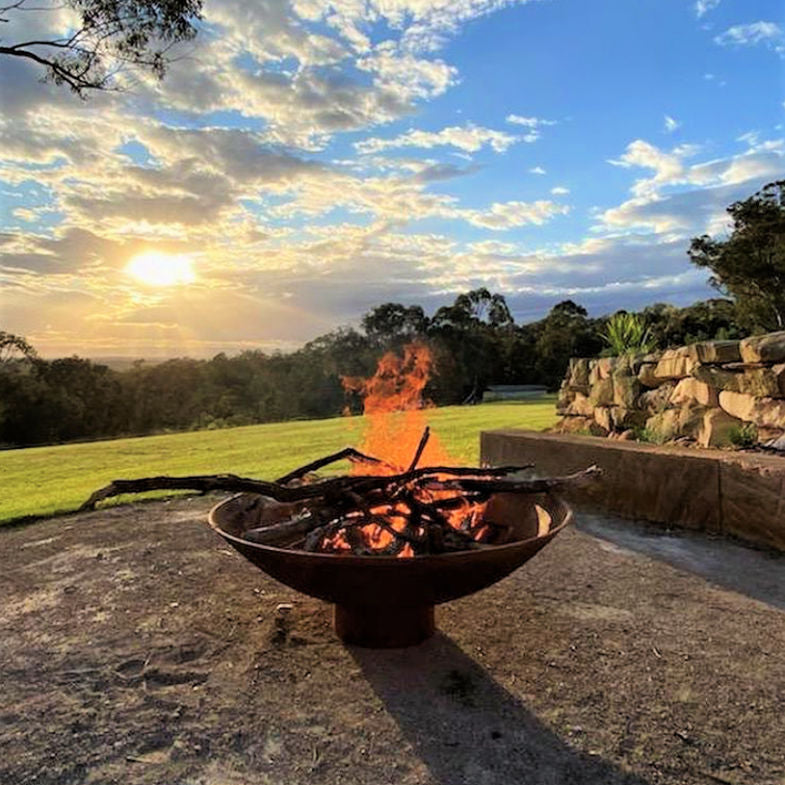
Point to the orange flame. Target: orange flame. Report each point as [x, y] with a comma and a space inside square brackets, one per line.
[394, 406]
[394, 410]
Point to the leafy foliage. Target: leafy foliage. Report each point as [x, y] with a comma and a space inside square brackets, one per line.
[750, 263]
[565, 332]
[393, 323]
[742, 436]
[703, 321]
[627, 332]
[111, 35]
[14, 347]
[650, 435]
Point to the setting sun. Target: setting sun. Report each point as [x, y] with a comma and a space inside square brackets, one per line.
[161, 269]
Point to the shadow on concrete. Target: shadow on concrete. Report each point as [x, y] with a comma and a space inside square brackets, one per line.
[467, 729]
[726, 563]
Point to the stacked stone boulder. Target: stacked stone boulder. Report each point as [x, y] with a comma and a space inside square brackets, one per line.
[714, 393]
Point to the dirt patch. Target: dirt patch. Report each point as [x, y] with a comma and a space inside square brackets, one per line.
[135, 647]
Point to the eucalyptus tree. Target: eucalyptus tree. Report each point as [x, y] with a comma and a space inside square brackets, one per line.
[104, 37]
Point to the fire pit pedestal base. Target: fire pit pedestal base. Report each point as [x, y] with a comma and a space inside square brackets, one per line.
[384, 627]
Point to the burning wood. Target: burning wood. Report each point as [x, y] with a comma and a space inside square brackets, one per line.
[425, 510]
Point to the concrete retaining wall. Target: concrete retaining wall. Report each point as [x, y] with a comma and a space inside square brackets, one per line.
[708, 490]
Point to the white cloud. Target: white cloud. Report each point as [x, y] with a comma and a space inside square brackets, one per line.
[537, 170]
[752, 138]
[469, 138]
[658, 207]
[600, 273]
[268, 31]
[704, 6]
[529, 122]
[408, 76]
[560, 190]
[493, 248]
[534, 124]
[507, 215]
[431, 21]
[668, 166]
[769, 34]
[671, 124]
[306, 70]
[425, 24]
[309, 70]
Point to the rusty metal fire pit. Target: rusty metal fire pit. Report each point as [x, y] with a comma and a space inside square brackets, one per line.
[388, 602]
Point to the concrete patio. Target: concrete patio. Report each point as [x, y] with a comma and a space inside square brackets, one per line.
[136, 648]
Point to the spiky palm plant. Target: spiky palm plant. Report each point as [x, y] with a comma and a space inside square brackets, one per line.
[627, 333]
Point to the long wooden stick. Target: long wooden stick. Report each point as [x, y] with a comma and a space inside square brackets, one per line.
[542, 485]
[420, 447]
[283, 493]
[275, 532]
[347, 452]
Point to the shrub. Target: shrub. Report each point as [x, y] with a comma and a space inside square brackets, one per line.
[649, 435]
[627, 332]
[741, 436]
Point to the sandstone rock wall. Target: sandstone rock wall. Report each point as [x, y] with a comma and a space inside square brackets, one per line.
[714, 393]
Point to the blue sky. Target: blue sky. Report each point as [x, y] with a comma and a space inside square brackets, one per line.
[308, 160]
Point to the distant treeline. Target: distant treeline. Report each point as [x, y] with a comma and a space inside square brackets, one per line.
[475, 342]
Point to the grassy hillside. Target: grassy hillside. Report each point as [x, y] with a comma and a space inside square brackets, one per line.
[48, 480]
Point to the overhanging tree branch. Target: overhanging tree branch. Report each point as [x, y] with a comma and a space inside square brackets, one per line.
[113, 34]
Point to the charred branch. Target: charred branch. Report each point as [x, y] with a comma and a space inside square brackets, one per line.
[426, 510]
[542, 485]
[347, 453]
[283, 493]
[420, 447]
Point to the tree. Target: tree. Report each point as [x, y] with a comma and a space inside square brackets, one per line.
[567, 309]
[565, 332]
[474, 333]
[476, 307]
[750, 264]
[16, 357]
[109, 35]
[706, 320]
[14, 347]
[393, 321]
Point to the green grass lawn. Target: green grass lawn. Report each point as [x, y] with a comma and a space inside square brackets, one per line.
[48, 480]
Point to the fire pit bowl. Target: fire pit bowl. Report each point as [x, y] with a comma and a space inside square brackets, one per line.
[385, 601]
